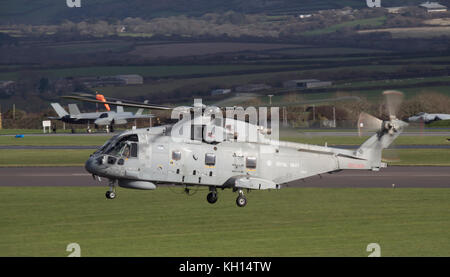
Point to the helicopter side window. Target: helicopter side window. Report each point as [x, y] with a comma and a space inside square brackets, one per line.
[250, 162]
[134, 150]
[126, 151]
[176, 155]
[129, 150]
[210, 159]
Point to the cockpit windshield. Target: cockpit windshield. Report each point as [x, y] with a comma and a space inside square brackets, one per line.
[123, 147]
[106, 144]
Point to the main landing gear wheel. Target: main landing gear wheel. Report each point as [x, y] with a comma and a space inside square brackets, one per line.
[110, 194]
[241, 201]
[212, 197]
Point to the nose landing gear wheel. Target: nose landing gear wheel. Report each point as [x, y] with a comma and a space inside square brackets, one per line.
[110, 194]
[212, 197]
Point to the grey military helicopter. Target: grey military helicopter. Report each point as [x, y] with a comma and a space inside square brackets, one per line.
[190, 153]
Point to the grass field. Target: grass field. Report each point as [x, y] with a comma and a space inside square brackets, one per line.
[43, 157]
[42, 221]
[413, 32]
[54, 140]
[369, 22]
[428, 157]
[146, 71]
[410, 81]
[226, 81]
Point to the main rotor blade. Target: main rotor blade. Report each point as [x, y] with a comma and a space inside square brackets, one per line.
[368, 123]
[93, 97]
[393, 101]
[124, 104]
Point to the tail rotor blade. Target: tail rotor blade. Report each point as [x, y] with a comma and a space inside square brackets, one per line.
[393, 101]
[367, 123]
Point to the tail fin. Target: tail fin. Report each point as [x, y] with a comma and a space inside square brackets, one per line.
[59, 110]
[139, 112]
[119, 108]
[372, 148]
[73, 109]
[387, 131]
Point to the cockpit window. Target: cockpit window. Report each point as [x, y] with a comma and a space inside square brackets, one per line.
[104, 115]
[126, 147]
[106, 144]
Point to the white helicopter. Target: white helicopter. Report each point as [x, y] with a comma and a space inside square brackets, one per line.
[188, 154]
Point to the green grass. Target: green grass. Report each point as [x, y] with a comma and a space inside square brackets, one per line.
[54, 140]
[409, 81]
[90, 47]
[43, 157]
[227, 81]
[372, 22]
[42, 221]
[375, 94]
[146, 71]
[433, 157]
[439, 124]
[20, 131]
[36, 131]
[320, 51]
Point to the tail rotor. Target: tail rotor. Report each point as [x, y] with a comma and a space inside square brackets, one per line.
[367, 122]
[386, 130]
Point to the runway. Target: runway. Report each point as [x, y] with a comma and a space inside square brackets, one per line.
[401, 177]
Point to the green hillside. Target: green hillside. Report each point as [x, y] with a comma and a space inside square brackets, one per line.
[51, 11]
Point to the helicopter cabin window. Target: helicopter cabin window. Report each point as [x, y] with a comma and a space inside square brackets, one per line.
[250, 162]
[176, 155]
[134, 150]
[210, 159]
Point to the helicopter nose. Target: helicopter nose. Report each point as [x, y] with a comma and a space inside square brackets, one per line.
[92, 164]
[89, 166]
